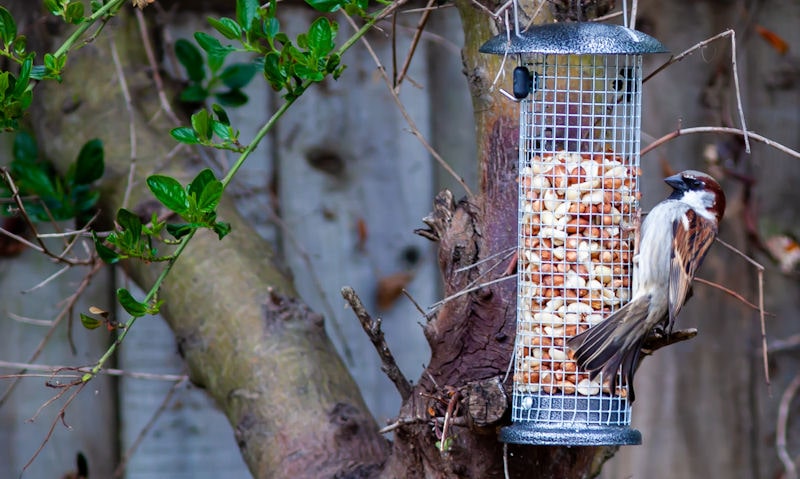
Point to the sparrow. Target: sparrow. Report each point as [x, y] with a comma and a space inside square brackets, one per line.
[674, 239]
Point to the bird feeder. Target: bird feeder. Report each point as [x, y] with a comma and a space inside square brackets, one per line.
[579, 91]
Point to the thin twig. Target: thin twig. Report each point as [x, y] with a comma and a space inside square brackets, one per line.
[373, 329]
[780, 430]
[761, 311]
[151, 59]
[414, 130]
[727, 33]
[505, 461]
[47, 280]
[469, 290]
[59, 418]
[785, 344]
[719, 129]
[123, 463]
[414, 42]
[53, 369]
[448, 415]
[61, 315]
[123, 85]
[728, 292]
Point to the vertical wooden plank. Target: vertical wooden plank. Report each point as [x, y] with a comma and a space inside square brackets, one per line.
[92, 416]
[354, 183]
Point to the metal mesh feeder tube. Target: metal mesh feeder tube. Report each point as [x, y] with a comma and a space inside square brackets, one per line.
[579, 87]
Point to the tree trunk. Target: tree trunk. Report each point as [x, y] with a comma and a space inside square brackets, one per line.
[247, 339]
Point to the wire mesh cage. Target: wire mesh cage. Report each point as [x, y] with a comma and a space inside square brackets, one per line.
[579, 87]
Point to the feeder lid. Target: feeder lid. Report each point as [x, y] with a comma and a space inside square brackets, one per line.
[574, 38]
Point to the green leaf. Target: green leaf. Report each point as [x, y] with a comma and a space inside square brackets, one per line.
[201, 181]
[90, 164]
[232, 98]
[105, 253]
[325, 5]
[222, 229]
[53, 6]
[130, 222]
[130, 304]
[213, 48]
[238, 75]
[246, 11]
[19, 44]
[169, 192]
[320, 37]
[194, 93]
[209, 198]
[201, 122]
[274, 71]
[225, 132]
[178, 231]
[74, 12]
[24, 77]
[184, 134]
[271, 27]
[89, 322]
[25, 149]
[8, 27]
[222, 115]
[192, 60]
[226, 27]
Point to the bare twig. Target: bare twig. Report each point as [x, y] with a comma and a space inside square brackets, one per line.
[151, 59]
[727, 33]
[70, 302]
[373, 329]
[730, 292]
[719, 129]
[414, 42]
[123, 85]
[780, 431]
[786, 344]
[59, 418]
[47, 280]
[448, 415]
[123, 463]
[414, 130]
[80, 371]
[761, 311]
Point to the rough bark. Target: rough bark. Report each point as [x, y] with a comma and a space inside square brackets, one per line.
[247, 339]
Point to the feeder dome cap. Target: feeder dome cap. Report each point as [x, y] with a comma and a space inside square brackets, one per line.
[574, 38]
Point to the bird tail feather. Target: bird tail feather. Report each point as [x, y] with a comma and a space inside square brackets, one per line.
[615, 342]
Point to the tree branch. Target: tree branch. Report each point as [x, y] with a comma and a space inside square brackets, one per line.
[373, 329]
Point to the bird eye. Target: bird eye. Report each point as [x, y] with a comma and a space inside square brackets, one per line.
[693, 183]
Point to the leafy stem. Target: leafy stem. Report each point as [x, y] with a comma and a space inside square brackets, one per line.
[109, 8]
[302, 88]
[150, 296]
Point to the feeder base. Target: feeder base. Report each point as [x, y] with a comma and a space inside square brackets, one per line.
[578, 435]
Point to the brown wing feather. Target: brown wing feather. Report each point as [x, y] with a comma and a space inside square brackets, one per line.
[690, 245]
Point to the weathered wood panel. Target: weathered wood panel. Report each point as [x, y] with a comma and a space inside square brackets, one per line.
[91, 419]
[354, 183]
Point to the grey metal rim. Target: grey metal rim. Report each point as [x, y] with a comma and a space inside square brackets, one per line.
[574, 38]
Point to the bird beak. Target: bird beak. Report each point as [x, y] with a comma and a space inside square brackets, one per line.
[676, 181]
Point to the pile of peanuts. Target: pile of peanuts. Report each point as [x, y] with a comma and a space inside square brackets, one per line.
[575, 252]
